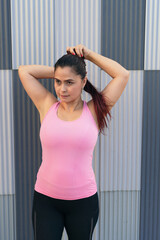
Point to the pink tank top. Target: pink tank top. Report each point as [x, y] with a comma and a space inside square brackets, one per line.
[67, 148]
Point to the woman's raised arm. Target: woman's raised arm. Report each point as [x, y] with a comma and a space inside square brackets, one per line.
[120, 75]
[29, 75]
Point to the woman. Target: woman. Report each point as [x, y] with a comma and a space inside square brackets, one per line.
[65, 193]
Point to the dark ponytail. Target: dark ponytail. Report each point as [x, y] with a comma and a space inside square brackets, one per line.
[79, 66]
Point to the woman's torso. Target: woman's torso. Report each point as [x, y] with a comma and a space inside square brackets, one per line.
[67, 151]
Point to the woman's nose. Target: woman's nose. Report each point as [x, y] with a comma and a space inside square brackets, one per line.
[63, 88]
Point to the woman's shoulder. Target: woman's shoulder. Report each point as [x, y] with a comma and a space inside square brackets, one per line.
[49, 101]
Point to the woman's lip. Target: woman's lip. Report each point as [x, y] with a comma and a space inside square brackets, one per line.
[63, 96]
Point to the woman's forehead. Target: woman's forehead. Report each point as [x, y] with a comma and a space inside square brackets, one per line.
[65, 69]
[65, 73]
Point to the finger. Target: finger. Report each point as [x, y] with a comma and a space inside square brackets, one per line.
[74, 51]
[69, 50]
[78, 51]
[82, 55]
[81, 51]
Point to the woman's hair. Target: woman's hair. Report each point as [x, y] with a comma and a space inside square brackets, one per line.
[79, 66]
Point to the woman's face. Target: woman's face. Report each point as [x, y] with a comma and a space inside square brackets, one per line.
[68, 85]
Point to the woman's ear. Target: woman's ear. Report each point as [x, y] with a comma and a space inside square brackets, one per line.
[85, 81]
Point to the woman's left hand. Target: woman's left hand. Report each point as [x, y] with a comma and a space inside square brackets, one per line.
[80, 50]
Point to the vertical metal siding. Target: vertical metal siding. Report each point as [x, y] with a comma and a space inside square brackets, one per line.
[7, 182]
[152, 35]
[123, 32]
[122, 36]
[7, 217]
[41, 31]
[32, 32]
[150, 174]
[5, 35]
[120, 163]
[120, 216]
[121, 147]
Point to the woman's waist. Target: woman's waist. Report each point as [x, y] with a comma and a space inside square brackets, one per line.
[67, 177]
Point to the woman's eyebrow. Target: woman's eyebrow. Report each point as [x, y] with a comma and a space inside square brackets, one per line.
[65, 80]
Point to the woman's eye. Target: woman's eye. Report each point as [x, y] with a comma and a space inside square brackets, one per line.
[58, 81]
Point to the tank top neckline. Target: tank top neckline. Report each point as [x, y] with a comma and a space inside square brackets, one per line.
[65, 121]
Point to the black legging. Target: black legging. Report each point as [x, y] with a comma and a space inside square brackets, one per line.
[51, 215]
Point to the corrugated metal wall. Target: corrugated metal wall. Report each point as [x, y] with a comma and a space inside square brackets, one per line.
[7, 170]
[33, 32]
[120, 163]
[150, 177]
[122, 39]
[5, 35]
[123, 32]
[121, 147]
[150, 174]
[152, 35]
[38, 32]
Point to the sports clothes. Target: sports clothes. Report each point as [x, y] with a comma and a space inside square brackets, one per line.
[50, 216]
[67, 148]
